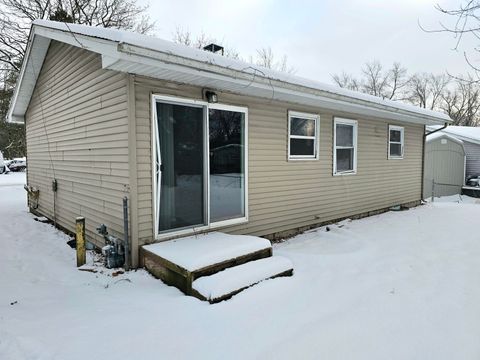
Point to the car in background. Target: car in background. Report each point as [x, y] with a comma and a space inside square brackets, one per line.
[18, 164]
[472, 187]
[3, 165]
[474, 182]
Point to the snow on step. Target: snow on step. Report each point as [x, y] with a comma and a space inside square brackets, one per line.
[196, 252]
[235, 279]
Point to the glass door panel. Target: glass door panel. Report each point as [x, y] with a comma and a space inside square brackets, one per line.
[181, 166]
[227, 164]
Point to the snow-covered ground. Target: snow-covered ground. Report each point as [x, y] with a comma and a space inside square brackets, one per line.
[12, 178]
[402, 285]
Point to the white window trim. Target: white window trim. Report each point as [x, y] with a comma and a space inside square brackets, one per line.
[402, 141]
[155, 153]
[354, 123]
[316, 137]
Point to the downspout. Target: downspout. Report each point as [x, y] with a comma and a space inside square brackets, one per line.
[434, 131]
[425, 134]
[125, 234]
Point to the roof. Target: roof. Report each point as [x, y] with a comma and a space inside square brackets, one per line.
[442, 135]
[464, 133]
[145, 55]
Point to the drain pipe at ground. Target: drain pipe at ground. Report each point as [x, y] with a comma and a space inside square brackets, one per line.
[125, 233]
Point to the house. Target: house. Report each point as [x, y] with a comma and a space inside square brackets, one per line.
[444, 173]
[198, 142]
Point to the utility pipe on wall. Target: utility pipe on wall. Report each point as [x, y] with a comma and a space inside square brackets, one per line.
[125, 233]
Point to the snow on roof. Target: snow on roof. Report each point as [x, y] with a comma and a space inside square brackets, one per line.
[466, 133]
[196, 57]
[154, 43]
[441, 134]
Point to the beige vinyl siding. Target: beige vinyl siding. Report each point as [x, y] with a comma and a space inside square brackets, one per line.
[144, 163]
[284, 194]
[77, 132]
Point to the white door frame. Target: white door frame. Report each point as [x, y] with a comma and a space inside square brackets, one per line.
[157, 156]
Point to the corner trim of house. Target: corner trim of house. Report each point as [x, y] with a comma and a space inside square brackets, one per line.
[133, 173]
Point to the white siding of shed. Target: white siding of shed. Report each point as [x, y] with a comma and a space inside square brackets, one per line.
[444, 164]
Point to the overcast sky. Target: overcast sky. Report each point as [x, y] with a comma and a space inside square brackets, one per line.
[324, 37]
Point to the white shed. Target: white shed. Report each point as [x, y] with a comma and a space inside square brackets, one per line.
[444, 165]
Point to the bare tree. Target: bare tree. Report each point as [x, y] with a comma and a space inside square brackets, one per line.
[346, 80]
[17, 16]
[398, 81]
[375, 79]
[383, 83]
[427, 90]
[466, 22]
[419, 90]
[463, 103]
[387, 84]
[438, 87]
[264, 56]
[185, 37]
[422, 89]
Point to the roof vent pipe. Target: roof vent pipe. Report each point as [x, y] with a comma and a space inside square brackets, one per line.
[214, 48]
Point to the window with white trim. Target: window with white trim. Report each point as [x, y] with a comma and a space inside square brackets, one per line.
[395, 142]
[344, 146]
[303, 136]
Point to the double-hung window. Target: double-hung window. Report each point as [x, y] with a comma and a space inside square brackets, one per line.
[344, 146]
[303, 136]
[395, 142]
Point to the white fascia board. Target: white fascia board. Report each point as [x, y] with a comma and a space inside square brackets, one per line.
[128, 55]
[101, 46]
[11, 118]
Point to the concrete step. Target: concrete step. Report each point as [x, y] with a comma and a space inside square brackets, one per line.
[229, 282]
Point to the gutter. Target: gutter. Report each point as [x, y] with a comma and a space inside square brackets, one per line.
[425, 134]
[135, 53]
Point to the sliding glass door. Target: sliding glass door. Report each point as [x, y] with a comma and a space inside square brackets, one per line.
[200, 164]
[181, 166]
[227, 164]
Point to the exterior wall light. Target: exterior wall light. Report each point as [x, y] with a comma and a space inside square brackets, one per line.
[211, 96]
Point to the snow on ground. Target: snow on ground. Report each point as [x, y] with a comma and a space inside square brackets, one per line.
[402, 285]
[12, 178]
[461, 199]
